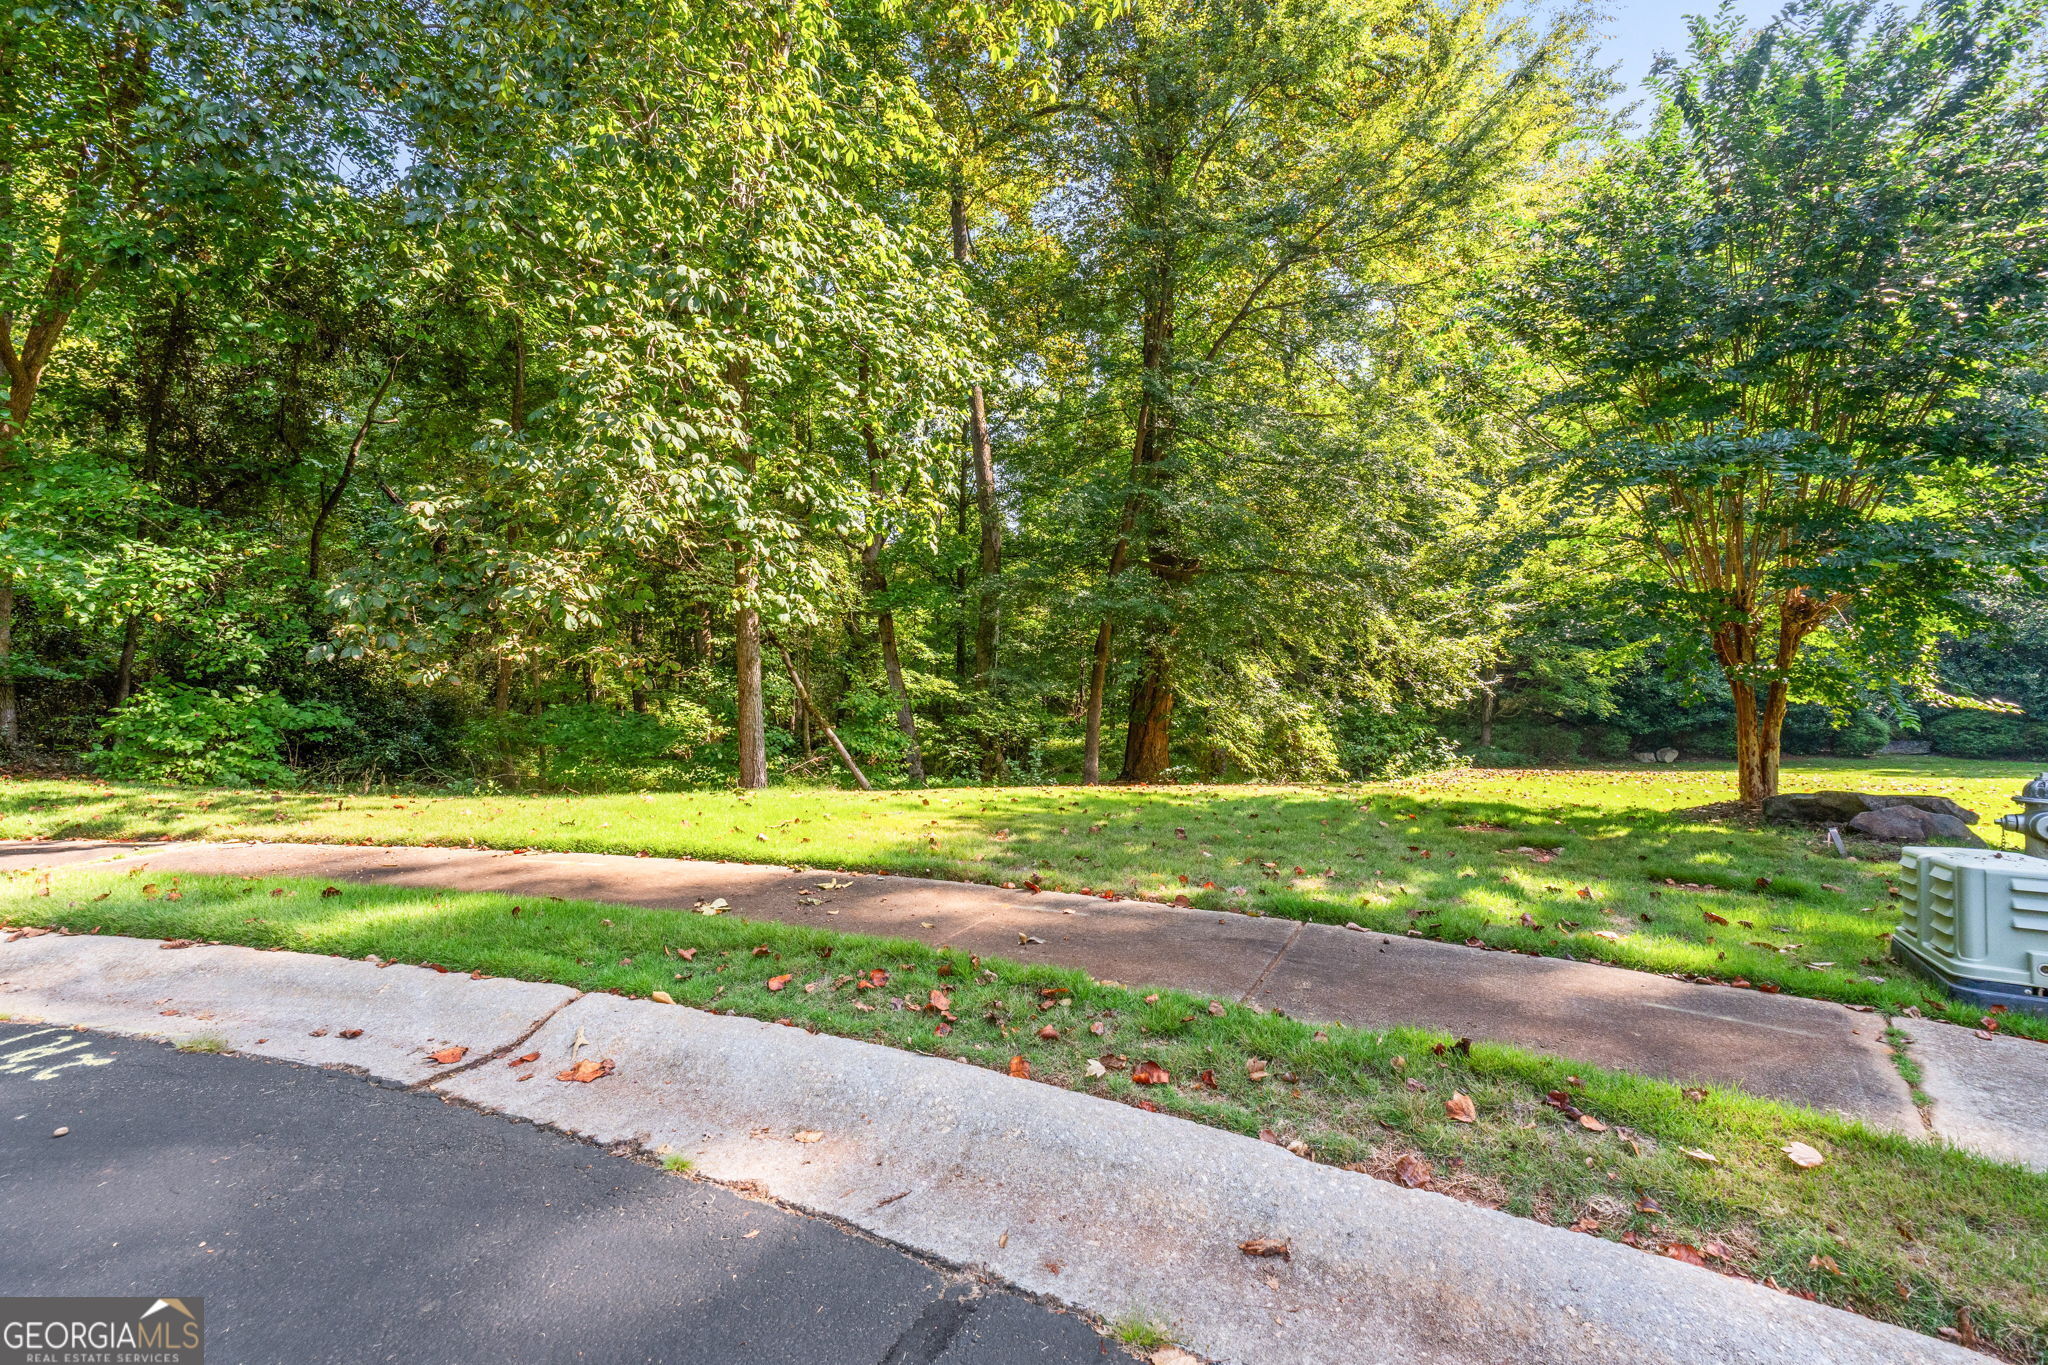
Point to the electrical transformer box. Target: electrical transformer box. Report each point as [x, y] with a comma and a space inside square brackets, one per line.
[1977, 922]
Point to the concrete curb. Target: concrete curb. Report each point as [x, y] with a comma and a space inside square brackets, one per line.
[290, 1005]
[1103, 1206]
[1987, 1091]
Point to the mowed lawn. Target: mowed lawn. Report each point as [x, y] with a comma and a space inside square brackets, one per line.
[1885, 1225]
[1608, 864]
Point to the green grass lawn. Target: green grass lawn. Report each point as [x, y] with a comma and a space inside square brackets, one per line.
[1887, 1226]
[1598, 864]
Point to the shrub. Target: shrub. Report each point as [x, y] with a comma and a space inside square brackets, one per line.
[1987, 734]
[175, 733]
[1372, 743]
[1864, 735]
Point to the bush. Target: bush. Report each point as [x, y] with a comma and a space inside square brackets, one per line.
[592, 747]
[1987, 734]
[174, 733]
[1399, 743]
[1864, 735]
[1605, 742]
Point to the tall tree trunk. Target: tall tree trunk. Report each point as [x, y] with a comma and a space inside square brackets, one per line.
[348, 469]
[876, 580]
[1148, 447]
[638, 636]
[803, 697]
[751, 725]
[906, 719]
[501, 689]
[1487, 702]
[982, 455]
[10, 721]
[1146, 741]
[124, 674]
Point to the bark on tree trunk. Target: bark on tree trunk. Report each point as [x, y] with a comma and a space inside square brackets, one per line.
[10, 721]
[906, 719]
[751, 726]
[501, 690]
[1146, 743]
[982, 455]
[639, 639]
[124, 674]
[1098, 679]
[1759, 731]
[803, 696]
[1486, 705]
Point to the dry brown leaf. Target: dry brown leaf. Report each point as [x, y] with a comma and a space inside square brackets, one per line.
[1414, 1171]
[447, 1056]
[1267, 1246]
[1591, 1124]
[1460, 1107]
[1020, 1068]
[776, 983]
[807, 1135]
[1803, 1156]
[586, 1071]
[1150, 1073]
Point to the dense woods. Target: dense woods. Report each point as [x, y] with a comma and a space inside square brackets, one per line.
[613, 392]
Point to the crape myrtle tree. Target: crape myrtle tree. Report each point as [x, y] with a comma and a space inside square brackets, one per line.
[1794, 341]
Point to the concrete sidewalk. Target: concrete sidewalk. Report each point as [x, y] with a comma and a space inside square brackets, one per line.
[1099, 1205]
[1809, 1052]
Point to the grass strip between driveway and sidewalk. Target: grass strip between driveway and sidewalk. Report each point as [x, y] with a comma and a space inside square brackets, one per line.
[1615, 866]
[1887, 1226]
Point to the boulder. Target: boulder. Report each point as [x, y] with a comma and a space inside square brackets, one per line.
[1667, 755]
[1842, 808]
[1908, 824]
[1908, 746]
[1937, 805]
[1816, 808]
[1646, 757]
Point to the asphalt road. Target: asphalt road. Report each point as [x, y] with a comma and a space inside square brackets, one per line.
[324, 1218]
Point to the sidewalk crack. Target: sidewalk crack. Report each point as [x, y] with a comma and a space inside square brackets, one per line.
[1253, 989]
[497, 1052]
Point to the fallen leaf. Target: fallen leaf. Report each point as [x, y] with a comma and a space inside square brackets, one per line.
[1803, 1156]
[1413, 1171]
[939, 1000]
[807, 1135]
[1460, 1107]
[1096, 1068]
[523, 1061]
[1680, 1251]
[1150, 1073]
[350, 1033]
[1255, 1068]
[586, 1071]
[1020, 1068]
[661, 997]
[1266, 1246]
[1704, 1158]
[776, 983]
[325, 891]
[1591, 1124]
[1049, 1033]
[447, 1056]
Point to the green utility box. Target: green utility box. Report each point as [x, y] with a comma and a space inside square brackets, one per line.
[1977, 922]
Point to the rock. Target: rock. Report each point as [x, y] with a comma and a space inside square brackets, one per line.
[1645, 757]
[1842, 808]
[1816, 808]
[1938, 805]
[1667, 755]
[1908, 746]
[1907, 824]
